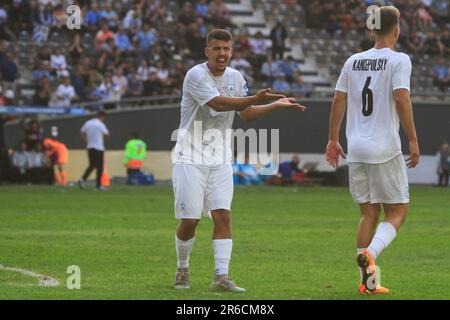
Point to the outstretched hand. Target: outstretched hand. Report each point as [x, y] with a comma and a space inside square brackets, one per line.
[289, 103]
[267, 95]
[334, 150]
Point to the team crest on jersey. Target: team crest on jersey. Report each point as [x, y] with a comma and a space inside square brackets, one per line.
[230, 89]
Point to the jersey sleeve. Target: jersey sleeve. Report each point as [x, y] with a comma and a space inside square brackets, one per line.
[402, 73]
[342, 83]
[83, 128]
[199, 88]
[243, 92]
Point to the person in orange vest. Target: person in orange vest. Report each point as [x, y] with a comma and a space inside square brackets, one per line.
[59, 157]
[135, 153]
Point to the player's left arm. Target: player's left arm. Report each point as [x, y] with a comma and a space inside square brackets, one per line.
[256, 112]
[405, 114]
[401, 87]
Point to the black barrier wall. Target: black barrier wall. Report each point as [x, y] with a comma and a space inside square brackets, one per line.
[304, 132]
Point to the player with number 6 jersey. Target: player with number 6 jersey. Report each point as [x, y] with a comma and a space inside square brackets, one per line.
[374, 87]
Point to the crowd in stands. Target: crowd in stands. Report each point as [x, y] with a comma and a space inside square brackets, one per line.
[127, 48]
[424, 26]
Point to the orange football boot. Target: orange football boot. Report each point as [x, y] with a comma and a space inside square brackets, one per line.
[368, 268]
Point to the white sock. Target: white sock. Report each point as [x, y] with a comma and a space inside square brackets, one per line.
[183, 251]
[222, 255]
[383, 237]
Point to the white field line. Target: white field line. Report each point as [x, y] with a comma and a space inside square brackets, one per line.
[44, 280]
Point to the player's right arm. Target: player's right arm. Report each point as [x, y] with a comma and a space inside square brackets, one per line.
[223, 104]
[404, 110]
[334, 149]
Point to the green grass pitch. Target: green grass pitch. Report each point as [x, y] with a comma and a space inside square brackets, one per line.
[289, 243]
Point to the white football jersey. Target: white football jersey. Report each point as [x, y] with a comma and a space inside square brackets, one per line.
[204, 136]
[369, 78]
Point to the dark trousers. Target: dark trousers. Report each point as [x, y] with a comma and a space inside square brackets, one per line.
[95, 162]
[443, 177]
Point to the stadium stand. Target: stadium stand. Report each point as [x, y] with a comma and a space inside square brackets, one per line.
[157, 41]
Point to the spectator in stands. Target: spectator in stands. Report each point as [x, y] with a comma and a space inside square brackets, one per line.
[9, 72]
[5, 32]
[439, 11]
[146, 39]
[123, 41]
[443, 169]
[242, 44]
[289, 67]
[92, 18]
[201, 7]
[269, 70]
[299, 88]
[135, 85]
[45, 54]
[445, 41]
[78, 82]
[46, 22]
[76, 49]
[58, 62]
[132, 22]
[219, 14]
[280, 84]
[19, 163]
[187, 15]
[414, 43]
[152, 87]
[65, 93]
[258, 52]
[110, 16]
[162, 73]
[278, 36]
[432, 44]
[441, 76]
[103, 35]
[43, 93]
[42, 71]
[241, 63]
[120, 81]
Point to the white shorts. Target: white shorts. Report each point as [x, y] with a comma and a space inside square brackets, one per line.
[379, 183]
[199, 189]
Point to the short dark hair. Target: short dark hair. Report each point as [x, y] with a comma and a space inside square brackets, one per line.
[389, 19]
[135, 134]
[219, 34]
[101, 114]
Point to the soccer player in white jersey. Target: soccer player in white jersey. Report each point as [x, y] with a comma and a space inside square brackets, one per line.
[374, 86]
[203, 181]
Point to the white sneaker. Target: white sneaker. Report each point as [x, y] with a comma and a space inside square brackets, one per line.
[101, 188]
[224, 283]
[182, 279]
